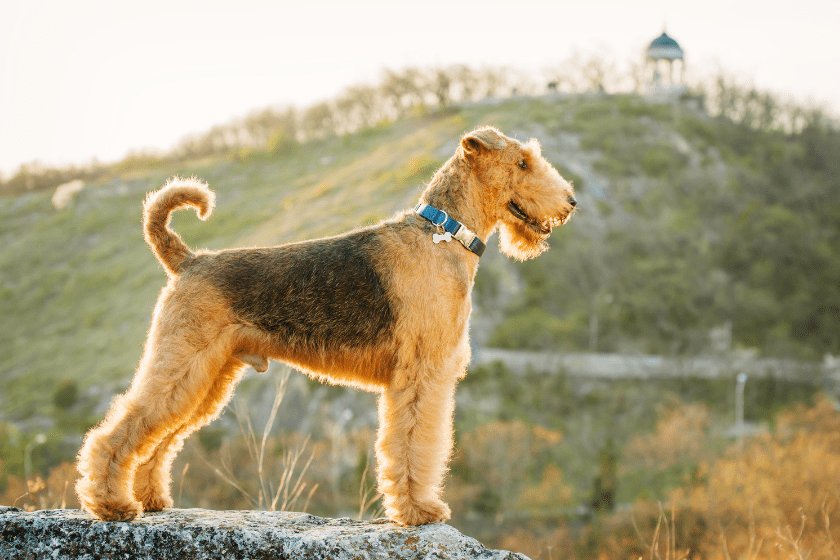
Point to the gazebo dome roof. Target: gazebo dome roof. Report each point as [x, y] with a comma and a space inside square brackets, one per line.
[664, 47]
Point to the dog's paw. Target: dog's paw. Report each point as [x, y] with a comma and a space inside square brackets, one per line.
[152, 497]
[420, 513]
[114, 511]
[156, 503]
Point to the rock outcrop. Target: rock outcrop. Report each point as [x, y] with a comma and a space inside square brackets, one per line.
[199, 534]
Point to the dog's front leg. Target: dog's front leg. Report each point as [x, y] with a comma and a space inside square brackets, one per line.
[413, 448]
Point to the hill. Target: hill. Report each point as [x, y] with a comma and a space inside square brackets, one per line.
[686, 223]
[695, 234]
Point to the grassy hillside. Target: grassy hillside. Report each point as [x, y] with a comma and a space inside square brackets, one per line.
[79, 284]
[687, 225]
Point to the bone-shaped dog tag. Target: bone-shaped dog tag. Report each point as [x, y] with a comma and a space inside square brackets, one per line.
[438, 237]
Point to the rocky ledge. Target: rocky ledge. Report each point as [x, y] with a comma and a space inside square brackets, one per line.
[199, 534]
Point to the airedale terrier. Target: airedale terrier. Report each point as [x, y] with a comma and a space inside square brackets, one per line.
[382, 308]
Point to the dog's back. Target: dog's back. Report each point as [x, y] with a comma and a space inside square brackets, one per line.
[316, 300]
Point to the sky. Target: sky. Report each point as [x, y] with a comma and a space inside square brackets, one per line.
[87, 79]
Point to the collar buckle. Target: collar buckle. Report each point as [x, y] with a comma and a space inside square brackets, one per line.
[445, 224]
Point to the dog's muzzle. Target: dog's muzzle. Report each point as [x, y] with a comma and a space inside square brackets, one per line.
[545, 226]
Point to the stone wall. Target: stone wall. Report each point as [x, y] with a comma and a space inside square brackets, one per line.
[620, 366]
[199, 534]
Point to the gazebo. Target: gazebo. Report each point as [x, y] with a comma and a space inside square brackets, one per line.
[665, 65]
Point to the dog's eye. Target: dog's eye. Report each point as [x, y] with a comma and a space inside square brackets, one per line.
[522, 164]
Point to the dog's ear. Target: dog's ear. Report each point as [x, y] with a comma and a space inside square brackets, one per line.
[487, 138]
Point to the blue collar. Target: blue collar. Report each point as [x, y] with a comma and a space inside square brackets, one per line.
[451, 227]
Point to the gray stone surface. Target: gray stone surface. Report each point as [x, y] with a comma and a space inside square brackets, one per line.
[198, 534]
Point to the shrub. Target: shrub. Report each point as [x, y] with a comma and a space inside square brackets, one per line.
[779, 489]
[65, 394]
[533, 329]
[661, 161]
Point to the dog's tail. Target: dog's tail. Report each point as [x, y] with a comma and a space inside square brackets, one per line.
[177, 193]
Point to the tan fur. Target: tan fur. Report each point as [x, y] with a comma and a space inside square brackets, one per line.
[178, 193]
[381, 308]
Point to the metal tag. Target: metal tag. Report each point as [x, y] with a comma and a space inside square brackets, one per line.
[438, 237]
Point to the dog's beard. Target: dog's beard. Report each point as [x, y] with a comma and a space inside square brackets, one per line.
[521, 241]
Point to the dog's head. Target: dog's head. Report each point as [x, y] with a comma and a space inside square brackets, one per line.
[524, 194]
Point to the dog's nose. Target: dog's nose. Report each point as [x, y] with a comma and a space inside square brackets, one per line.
[572, 201]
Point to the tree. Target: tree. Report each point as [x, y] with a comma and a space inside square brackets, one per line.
[318, 121]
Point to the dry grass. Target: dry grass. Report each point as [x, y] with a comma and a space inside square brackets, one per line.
[665, 528]
[272, 495]
[368, 496]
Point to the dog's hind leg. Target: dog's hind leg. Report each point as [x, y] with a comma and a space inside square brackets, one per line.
[153, 479]
[170, 384]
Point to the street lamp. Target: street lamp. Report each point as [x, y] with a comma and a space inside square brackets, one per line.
[741, 380]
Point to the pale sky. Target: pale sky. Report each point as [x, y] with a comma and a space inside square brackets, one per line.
[81, 78]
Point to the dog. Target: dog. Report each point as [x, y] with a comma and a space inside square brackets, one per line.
[383, 308]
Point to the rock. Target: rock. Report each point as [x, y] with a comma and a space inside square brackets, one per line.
[200, 534]
[65, 193]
